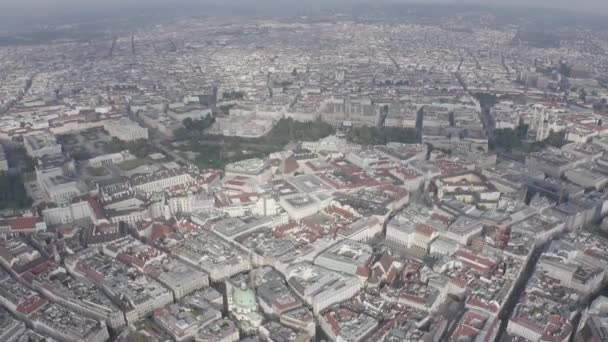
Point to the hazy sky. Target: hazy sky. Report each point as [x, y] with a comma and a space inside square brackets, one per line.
[42, 6]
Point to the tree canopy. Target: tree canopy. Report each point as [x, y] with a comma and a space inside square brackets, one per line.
[374, 136]
[233, 95]
[216, 150]
[200, 124]
[509, 138]
[486, 100]
[287, 130]
[139, 148]
[12, 193]
[556, 139]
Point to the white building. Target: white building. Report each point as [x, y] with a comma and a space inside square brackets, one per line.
[3, 161]
[299, 206]
[362, 230]
[182, 279]
[190, 202]
[257, 169]
[444, 246]
[321, 287]
[60, 189]
[348, 256]
[331, 143]
[71, 212]
[41, 144]
[126, 130]
[161, 180]
[107, 159]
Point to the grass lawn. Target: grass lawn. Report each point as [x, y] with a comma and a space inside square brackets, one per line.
[97, 171]
[131, 164]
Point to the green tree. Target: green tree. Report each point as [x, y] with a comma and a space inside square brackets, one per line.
[507, 139]
[366, 135]
[139, 148]
[200, 124]
[287, 130]
[225, 109]
[582, 94]
[522, 131]
[12, 193]
[486, 100]
[233, 95]
[233, 149]
[556, 139]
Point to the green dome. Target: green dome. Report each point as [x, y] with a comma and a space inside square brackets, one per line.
[243, 298]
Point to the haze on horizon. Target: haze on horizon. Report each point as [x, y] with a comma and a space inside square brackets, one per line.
[41, 7]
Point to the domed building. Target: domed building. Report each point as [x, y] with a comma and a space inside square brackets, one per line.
[243, 306]
[243, 299]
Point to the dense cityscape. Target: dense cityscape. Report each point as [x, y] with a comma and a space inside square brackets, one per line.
[370, 174]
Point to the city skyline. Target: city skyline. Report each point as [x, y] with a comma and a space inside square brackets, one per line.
[25, 6]
[369, 172]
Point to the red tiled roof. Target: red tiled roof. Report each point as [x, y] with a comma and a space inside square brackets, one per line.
[6, 254]
[160, 231]
[477, 303]
[22, 223]
[291, 165]
[474, 260]
[424, 229]
[31, 304]
[96, 208]
[363, 271]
